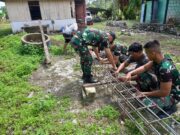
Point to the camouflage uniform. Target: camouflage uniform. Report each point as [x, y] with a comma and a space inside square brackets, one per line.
[146, 81]
[80, 44]
[121, 52]
[166, 72]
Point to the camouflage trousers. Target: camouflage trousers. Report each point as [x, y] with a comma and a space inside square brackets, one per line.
[165, 103]
[147, 81]
[85, 56]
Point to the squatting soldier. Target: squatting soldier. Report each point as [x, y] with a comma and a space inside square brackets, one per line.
[120, 53]
[97, 39]
[168, 92]
[146, 80]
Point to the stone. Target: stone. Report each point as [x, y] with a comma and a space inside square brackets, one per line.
[120, 24]
[89, 92]
[31, 95]
[75, 121]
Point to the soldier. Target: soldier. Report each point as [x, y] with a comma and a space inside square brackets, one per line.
[95, 38]
[120, 53]
[168, 77]
[145, 80]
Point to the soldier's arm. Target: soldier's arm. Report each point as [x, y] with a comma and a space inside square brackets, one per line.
[165, 89]
[139, 70]
[110, 58]
[165, 79]
[116, 59]
[122, 66]
[96, 50]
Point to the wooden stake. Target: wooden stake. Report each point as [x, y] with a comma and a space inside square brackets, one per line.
[47, 56]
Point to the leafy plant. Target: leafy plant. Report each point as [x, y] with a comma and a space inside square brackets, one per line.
[131, 128]
[56, 50]
[107, 111]
[31, 49]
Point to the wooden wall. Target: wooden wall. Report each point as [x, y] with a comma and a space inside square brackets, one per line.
[18, 10]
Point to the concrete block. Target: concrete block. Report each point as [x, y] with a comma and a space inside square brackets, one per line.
[89, 92]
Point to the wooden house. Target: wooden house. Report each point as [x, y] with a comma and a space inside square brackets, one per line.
[53, 13]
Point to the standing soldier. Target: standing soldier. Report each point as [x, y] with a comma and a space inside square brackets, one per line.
[94, 38]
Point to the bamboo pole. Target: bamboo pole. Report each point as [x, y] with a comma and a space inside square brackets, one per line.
[47, 56]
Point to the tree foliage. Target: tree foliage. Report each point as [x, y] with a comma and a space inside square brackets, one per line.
[118, 9]
[3, 12]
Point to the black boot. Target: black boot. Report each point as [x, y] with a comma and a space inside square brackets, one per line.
[83, 77]
[90, 79]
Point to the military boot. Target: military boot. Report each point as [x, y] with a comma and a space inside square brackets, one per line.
[83, 77]
[90, 79]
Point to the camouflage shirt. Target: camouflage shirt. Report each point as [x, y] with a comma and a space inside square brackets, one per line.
[166, 71]
[119, 49]
[94, 38]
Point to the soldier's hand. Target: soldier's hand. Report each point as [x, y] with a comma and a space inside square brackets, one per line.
[139, 94]
[115, 74]
[104, 61]
[100, 58]
[101, 61]
[128, 77]
[115, 68]
[121, 79]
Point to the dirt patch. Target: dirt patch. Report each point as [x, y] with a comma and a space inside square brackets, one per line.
[61, 80]
[57, 42]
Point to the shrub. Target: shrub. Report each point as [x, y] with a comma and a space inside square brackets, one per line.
[31, 49]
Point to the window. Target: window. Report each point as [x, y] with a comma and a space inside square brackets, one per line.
[35, 11]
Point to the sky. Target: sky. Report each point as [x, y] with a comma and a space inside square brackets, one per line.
[2, 4]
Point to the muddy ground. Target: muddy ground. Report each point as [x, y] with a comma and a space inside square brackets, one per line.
[61, 80]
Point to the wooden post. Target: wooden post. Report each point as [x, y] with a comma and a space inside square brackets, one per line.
[47, 56]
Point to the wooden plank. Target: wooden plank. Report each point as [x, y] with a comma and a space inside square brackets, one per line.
[47, 56]
[96, 84]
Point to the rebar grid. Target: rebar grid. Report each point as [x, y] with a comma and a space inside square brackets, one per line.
[143, 116]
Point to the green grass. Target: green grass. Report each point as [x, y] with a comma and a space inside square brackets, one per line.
[5, 29]
[102, 25]
[99, 25]
[165, 41]
[108, 112]
[131, 128]
[42, 113]
[57, 37]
